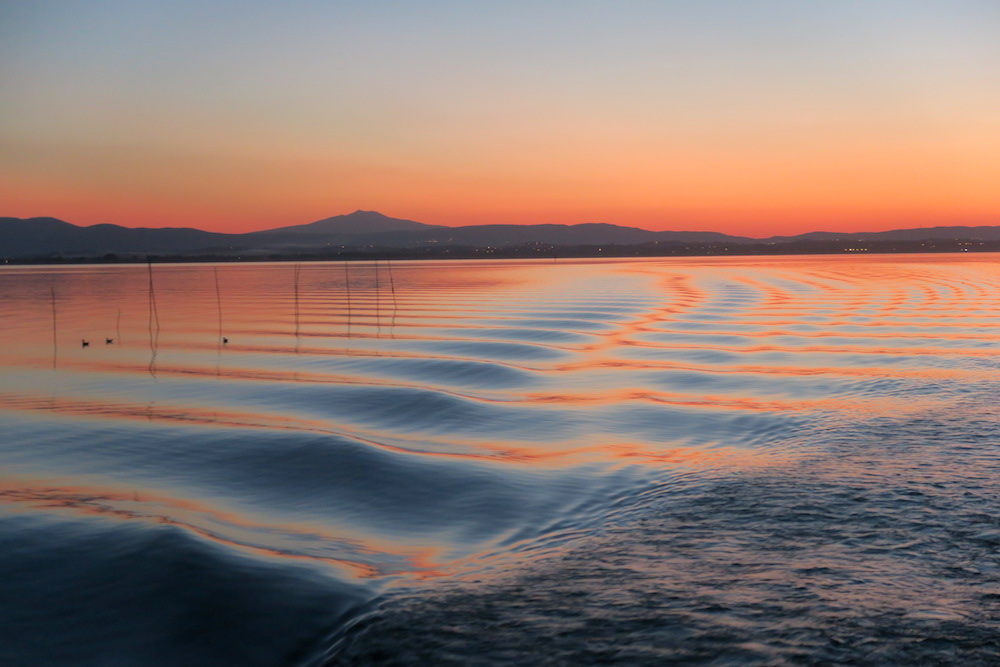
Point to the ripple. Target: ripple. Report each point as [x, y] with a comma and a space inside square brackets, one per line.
[712, 459]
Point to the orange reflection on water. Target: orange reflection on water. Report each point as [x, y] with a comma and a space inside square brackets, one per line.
[334, 322]
[107, 409]
[869, 406]
[358, 559]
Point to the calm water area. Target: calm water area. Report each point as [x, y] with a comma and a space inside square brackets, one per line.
[780, 460]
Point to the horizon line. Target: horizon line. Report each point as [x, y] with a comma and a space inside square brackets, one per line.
[493, 224]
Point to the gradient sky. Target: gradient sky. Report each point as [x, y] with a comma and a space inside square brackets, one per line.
[750, 117]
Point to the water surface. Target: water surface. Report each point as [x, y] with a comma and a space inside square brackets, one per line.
[754, 460]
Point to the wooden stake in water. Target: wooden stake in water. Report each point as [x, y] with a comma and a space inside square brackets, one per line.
[347, 288]
[154, 315]
[392, 283]
[55, 339]
[378, 320]
[296, 281]
[218, 301]
[154, 318]
[392, 287]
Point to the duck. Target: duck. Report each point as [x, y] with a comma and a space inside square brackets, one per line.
[109, 341]
[84, 343]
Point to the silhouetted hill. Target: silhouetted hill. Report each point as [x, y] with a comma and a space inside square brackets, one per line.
[365, 232]
[359, 222]
[358, 232]
[582, 234]
[39, 237]
[984, 233]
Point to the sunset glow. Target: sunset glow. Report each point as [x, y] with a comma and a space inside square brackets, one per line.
[747, 118]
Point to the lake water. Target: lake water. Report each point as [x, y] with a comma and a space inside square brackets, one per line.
[692, 460]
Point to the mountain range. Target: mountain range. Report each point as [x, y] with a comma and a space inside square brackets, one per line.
[371, 232]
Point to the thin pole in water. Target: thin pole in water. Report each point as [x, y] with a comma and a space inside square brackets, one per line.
[55, 339]
[218, 300]
[347, 288]
[392, 287]
[154, 316]
[298, 268]
[378, 320]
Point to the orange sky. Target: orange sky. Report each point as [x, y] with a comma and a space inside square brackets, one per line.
[717, 117]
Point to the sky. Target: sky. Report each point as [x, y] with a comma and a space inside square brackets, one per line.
[752, 117]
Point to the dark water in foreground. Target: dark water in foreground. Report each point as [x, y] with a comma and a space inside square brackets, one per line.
[717, 461]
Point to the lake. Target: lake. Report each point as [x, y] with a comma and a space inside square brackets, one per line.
[754, 460]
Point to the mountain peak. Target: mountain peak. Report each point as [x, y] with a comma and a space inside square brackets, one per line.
[359, 222]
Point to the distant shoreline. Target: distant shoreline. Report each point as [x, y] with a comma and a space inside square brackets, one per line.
[542, 251]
